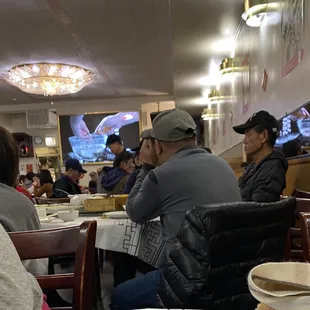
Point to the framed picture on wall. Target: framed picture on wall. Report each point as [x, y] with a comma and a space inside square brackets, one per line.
[292, 32]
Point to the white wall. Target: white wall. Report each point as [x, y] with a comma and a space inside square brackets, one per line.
[283, 95]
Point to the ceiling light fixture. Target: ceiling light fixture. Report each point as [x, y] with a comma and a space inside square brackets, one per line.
[49, 79]
[207, 115]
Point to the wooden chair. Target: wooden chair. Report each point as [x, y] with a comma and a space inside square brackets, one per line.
[294, 247]
[50, 201]
[79, 240]
[298, 193]
[305, 230]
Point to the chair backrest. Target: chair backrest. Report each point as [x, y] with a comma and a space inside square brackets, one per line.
[226, 241]
[302, 205]
[305, 230]
[298, 193]
[78, 240]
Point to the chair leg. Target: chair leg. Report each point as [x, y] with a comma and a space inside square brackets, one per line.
[98, 302]
[101, 259]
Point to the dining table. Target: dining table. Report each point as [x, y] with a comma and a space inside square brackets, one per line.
[122, 235]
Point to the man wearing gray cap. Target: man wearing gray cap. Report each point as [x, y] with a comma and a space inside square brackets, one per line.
[185, 176]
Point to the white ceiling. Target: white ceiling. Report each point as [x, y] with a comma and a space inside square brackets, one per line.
[136, 48]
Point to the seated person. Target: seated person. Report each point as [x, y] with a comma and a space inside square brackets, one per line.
[19, 289]
[138, 163]
[17, 212]
[43, 184]
[264, 178]
[20, 187]
[293, 148]
[67, 183]
[92, 184]
[28, 182]
[186, 176]
[114, 179]
[115, 144]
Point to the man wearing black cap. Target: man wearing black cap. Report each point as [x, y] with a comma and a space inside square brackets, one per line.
[264, 179]
[67, 184]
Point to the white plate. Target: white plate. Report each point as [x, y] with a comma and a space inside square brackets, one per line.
[117, 215]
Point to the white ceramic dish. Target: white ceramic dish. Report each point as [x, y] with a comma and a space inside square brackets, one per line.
[68, 216]
[117, 215]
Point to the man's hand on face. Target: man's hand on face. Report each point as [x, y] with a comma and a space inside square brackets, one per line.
[148, 152]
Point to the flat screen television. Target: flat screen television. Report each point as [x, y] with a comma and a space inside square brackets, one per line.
[296, 126]
[84, 137]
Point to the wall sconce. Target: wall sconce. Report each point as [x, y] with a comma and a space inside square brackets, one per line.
[208, 114]
[214, 95]
[228, 65]
[255, 11]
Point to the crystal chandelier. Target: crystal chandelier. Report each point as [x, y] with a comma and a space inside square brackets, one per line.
[49, 79]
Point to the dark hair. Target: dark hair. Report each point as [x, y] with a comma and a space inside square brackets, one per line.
[207, 149]
[43, 161]
[114, 139]
[9, 158]
[291, 148]
[272, 136]
[45, 177]
[22, 178]
[30, 176]
[123, 157]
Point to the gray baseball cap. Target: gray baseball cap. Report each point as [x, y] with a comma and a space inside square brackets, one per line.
[173, 125]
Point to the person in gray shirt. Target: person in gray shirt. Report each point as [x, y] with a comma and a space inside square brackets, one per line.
[17, 212]
[175, 177]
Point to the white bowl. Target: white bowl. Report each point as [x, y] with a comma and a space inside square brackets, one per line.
[68, 216]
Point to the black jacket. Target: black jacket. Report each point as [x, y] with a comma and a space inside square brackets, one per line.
[265, 181]
[63, 186]
[217, 247]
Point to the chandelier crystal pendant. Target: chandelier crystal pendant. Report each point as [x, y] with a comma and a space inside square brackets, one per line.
[49, 79]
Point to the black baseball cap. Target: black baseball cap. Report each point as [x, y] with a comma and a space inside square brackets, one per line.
[114, 139]
[74, 164]
[262, 118]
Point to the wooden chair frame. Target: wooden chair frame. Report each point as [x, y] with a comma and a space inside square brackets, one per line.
[78, 240]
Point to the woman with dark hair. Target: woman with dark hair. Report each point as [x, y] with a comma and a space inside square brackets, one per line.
[17, 213]
[43, 184]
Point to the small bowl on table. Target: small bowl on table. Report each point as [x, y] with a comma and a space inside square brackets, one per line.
[68, 216]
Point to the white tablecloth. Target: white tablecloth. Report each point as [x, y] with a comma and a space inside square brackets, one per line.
[144, 241]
